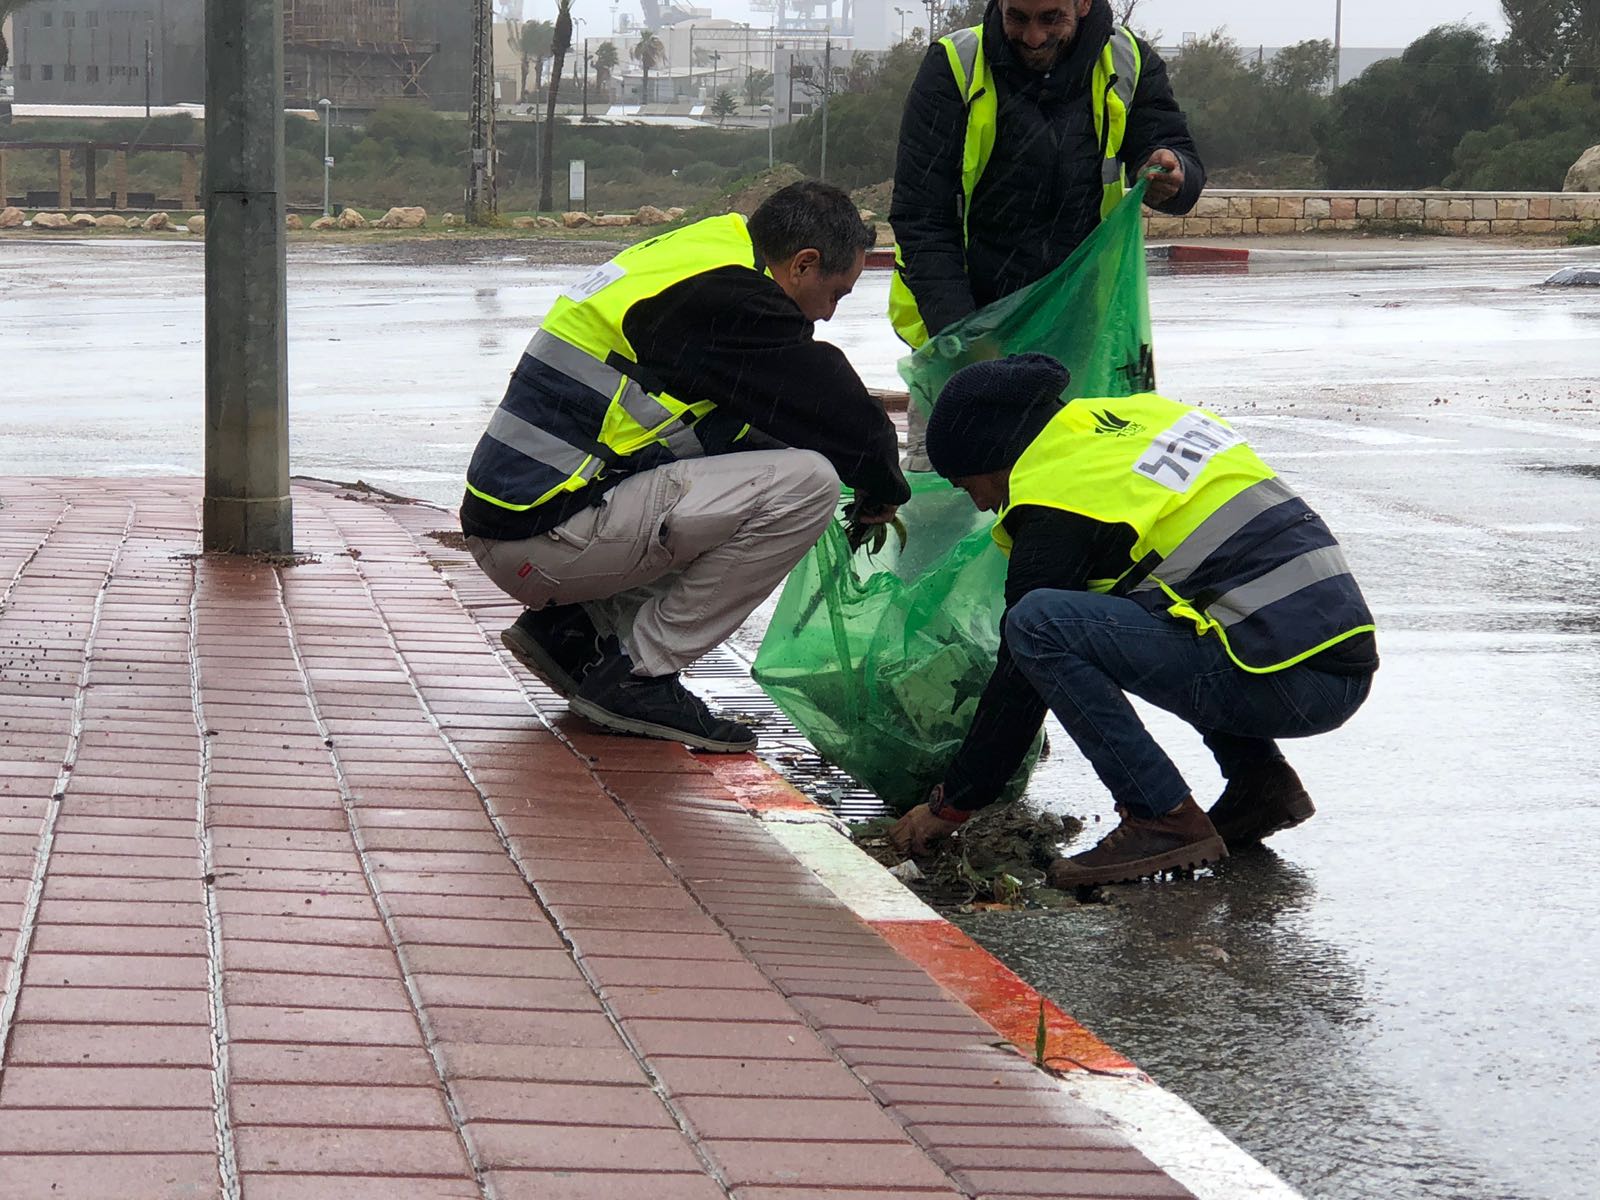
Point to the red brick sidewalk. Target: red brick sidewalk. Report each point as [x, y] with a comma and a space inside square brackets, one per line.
[306, 892]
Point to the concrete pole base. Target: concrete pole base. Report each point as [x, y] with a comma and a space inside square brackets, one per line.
[234, 526]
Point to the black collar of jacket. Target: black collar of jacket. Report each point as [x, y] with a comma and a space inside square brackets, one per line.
[1074, 73]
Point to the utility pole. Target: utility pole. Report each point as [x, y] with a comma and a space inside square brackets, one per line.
[482, 202]
[933, 8]
[585, 79]
[1338, 38]
[827, 89]
[149, 58]
[247, 509]
[327, 156]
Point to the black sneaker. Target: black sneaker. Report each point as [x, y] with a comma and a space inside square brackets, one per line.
[1258, 802]
[614, 698]
[558, 644]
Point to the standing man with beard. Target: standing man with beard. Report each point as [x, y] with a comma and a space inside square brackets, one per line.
[1019, 136]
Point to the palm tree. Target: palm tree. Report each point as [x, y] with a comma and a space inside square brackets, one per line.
[649, 53]
[605, 62]
[559, 46]
[534, 43]
[7, 7]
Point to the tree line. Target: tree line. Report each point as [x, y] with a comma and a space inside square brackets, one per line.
[1457, 109]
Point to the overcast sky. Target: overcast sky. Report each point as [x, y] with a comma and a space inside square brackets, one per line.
[1374, 23]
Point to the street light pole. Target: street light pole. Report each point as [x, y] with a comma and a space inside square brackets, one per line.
[827, 88]
[904, 12]
[327, 157]
[149, 58]
[1338, 38]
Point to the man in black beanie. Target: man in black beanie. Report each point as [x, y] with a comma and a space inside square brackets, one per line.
[1152, 553]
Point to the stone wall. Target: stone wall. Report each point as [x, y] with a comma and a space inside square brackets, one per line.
[1224, 213]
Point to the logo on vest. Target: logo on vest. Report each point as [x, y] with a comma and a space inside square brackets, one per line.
[1111, 425]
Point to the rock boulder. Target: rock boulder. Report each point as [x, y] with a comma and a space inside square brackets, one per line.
[84, 221]
[351, 219]
[547, 223]
[111, 221]
[403, 218]
[525, 223]
[575, 220]
[12, 218]
[325, 223]
[158, 221]
[651, 215]
[1585, 173]
[675, 213]
[52, 221]
[613, 219]
[197, 224]
[450, 219]
[293, 221]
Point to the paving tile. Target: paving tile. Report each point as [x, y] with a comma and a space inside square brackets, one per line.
[553, 1064]
[479, 960]
[701, 1004]
[1012, 1185]
[84, 1176]
[490, 992]
[508, 1027]
[167, 1088]
[356, 1187]
[45, 1044]
[532, 931]
[581, 1147]
[727, 1039]
[262, 1062]
[634, 1106]
[607, 1185]
[825, 1164]
[285, 990]
[269, 1149]
[115, 1006]
[755, 1077]
[322, 1026]
[834, 1193]
[746, 1117]
[338, 1106]
[106, 1131]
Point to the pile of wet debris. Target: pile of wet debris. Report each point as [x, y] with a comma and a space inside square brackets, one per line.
[995, 862]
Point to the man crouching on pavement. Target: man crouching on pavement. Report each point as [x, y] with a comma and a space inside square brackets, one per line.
[1151, 553]
[671, 444]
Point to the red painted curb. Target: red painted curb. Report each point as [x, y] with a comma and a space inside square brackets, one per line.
[952, 959]
[1207, 254]
[998, 995]
[880, 260]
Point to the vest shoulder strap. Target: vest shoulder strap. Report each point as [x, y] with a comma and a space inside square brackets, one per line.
[964, 49]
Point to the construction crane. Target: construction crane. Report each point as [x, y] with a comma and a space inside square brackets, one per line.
[483, 204]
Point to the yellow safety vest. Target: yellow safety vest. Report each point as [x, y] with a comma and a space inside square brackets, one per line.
[577, 411]
[1220, 540]
[1116, 78]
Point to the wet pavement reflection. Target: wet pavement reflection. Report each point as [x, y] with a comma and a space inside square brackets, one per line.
[1400, 998]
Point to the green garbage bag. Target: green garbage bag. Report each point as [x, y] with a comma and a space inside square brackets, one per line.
[879, 659]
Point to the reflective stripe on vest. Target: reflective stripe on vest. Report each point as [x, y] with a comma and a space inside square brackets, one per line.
[1220, 541]
[1116, 79]
[577, 379]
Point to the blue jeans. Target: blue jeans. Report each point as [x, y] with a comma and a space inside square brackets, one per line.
[1082, 652]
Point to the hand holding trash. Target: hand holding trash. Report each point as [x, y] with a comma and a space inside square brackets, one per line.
[868, 524]
[1164, 170]
[919, 831]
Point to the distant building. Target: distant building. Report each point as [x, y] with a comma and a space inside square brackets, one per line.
[358, 53]
[104, 52]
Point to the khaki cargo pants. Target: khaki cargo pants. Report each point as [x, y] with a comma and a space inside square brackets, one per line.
[678, 557]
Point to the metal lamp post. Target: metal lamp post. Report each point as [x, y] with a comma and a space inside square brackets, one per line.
[327, 157]
[904, 13]
[1338, 38]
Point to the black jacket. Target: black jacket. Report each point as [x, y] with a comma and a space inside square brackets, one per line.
[1040, 193]
[731, 335]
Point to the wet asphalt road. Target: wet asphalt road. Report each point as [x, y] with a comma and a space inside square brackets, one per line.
[1399, 1000]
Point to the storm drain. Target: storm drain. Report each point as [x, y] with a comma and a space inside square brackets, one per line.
[723, 679]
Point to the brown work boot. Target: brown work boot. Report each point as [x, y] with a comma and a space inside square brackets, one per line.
[1180, 840]
[1259, 802]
